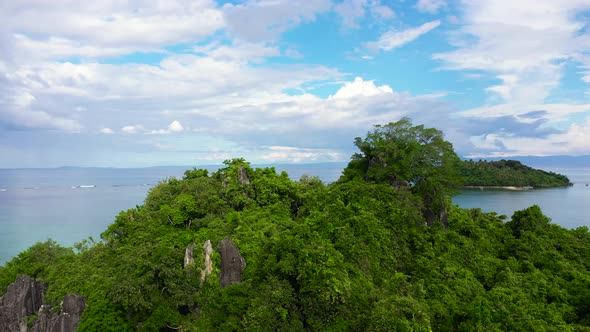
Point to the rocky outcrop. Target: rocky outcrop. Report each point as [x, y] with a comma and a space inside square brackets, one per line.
[232, 263]
[207, 251]
[23, 298]
[243, 176]
[188, 255]
[67, 320]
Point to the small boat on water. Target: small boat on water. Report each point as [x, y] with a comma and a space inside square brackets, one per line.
[85, 186]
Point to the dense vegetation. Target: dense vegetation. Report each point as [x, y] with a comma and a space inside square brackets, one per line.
[509, 173]
[361, 254]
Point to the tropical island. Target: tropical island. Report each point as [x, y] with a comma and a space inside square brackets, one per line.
[381, 249]
[508, 174]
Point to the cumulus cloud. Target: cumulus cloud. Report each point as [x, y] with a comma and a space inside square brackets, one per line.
[394, 38]
[106, 131]
[174, 127]
[361, 88]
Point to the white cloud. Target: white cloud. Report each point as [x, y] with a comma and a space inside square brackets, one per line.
[289, 154]
[262, 20]
[361, 88]
[106, 131]
[175, 127]
[239, 51]
[133, 129]
[352, 11]
[430, 6]
[381, 11]
[394, 39]
[524, 43]
[63, 28]
[575, 140]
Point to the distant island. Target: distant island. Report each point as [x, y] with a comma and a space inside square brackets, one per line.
[383, 248]
[508, 174]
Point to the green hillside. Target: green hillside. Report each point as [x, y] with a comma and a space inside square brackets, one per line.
[382, 249]
[509, 173]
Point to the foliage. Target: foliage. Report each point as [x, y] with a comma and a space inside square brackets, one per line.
[509, 173]
[404, 155]
[353, 255]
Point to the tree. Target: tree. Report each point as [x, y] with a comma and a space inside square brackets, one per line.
[407, 156]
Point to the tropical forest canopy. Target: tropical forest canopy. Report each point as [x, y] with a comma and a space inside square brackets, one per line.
[381, 249]
[509, 173]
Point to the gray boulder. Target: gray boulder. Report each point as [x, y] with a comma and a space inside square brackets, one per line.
[232, 263]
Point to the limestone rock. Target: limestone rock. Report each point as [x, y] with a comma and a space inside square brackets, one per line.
[207, 251]
[23, 298]
[188, 255]
[67, 320]
[232, 263]
[243, 176]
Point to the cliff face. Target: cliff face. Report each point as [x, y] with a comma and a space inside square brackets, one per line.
[24, 298]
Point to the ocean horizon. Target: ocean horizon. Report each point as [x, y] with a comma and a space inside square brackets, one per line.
[70, 204]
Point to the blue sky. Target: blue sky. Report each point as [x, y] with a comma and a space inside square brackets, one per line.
[143, 83]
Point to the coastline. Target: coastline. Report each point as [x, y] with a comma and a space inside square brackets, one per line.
[516, 188]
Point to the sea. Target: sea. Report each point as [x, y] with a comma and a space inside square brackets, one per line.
[72, 204]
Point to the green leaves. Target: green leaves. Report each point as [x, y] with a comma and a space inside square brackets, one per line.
[407, 156]
[353, 255]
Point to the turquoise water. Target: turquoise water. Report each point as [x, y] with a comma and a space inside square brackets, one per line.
[568, 207]
[37, 204]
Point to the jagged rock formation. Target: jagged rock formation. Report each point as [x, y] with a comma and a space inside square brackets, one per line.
[67, 320]
[23, 298]
[207, 251]
[243, 176]
[188, 255]
[232, 263]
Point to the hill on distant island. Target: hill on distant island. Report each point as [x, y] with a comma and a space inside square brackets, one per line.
[509, 173]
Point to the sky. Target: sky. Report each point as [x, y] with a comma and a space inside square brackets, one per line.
[142, 83]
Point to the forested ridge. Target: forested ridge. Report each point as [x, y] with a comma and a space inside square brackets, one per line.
[381, 249]
[509, 173]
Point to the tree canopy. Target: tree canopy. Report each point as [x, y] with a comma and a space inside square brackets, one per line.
[410, 156]
[353, 255]
[509, 173]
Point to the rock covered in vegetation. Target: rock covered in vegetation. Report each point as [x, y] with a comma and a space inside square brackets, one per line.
[23, 298]
[67, 320]
[232, 263]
